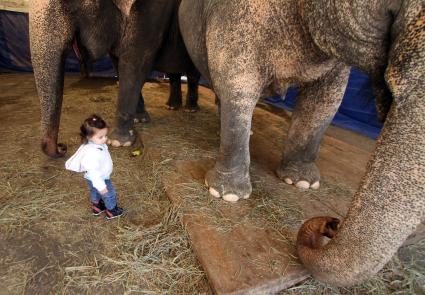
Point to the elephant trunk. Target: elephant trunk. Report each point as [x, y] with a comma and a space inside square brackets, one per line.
[384, 212]
[365, 242]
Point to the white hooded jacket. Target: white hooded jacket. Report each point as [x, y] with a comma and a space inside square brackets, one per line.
[93, 159]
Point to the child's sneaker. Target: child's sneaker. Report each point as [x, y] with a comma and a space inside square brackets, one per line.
[98, 208]
[114, 213]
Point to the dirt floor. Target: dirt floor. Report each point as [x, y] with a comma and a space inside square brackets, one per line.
[50, 244]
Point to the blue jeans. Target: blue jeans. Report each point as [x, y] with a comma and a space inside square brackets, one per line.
[110, 198]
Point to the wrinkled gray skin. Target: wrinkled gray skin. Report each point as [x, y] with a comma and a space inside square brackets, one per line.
[129, 30]
[246, 47]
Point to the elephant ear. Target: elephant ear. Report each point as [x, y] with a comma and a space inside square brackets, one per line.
[124, 6]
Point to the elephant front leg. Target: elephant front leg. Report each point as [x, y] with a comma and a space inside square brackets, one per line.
[316, 106]
[229, 179]
[175, 99]
[192, 91]
[132, 77]
[142, 114]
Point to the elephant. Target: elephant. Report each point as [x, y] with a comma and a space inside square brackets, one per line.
[134, 32]
[172, 59]
[174, 101]
[246, 48]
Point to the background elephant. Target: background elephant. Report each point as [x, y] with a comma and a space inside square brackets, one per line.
[172, 58]
[131, 31]
[174, 101]
[246, 47]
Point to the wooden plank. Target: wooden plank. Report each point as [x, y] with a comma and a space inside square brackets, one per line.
[15, 5]
[246, 259]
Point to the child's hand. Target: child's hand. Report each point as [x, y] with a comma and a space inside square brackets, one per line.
[104, 191]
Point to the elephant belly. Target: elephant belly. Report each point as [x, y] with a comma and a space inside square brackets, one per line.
[94, 45]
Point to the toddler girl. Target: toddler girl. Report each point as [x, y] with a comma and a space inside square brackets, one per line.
[94, 159]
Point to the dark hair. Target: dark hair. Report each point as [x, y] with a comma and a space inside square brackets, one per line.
[89, 126]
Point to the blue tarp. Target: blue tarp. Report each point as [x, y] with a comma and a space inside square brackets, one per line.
[14, 42]
[15, 53]
[357, 111]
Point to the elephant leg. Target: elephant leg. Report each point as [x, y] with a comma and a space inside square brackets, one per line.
[142, 114]
[390, 202]
[50, 38]
[229, 179]
[133, 71]
[192, 91]
[114, 61]
[317, 104]
[175, 99]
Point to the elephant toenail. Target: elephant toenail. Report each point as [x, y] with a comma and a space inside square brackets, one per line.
[302, 184]
[231, 198]
[214, 193]
[288, 181]
[315, 185]
[115, 143]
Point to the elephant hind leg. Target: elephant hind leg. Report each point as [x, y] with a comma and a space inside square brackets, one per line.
[193, 77]
[175, 99]
[50, 36]
[317, 104]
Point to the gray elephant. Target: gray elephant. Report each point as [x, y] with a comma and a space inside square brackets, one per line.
[133, 32]
[247, 47]
[172, 58]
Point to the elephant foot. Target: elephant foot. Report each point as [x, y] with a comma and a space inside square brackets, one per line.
[54, 150]
[142, 117]
[302, 175]
[231, 186]
[173, 106]
[122, 138]
[312, 231]
[191, 108]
